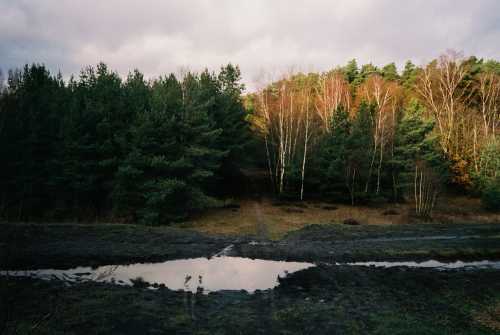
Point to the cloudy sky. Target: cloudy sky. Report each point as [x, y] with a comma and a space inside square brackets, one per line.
[262, 36]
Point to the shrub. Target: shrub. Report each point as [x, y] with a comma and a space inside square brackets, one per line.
[487, 180]
[490, 196]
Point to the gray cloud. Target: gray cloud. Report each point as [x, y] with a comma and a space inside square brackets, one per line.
[260, 35]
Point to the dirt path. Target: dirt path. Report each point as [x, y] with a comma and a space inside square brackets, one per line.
[261, 225]
[261, 228]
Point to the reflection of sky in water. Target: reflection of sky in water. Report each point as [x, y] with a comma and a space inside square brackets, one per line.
[217, 273]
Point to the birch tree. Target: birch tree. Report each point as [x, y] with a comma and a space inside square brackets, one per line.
[483, 127]
[446, 94]
[385, 96]
[285, 120]
[425, 189]
[332, 92]
[279, 123]
[489, 96]
[308, 122]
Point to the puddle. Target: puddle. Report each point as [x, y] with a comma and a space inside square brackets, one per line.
[207, 275]
[216, 273]
[433, 264]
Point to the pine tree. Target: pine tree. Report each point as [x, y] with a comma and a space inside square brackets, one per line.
[230, 116]
[30, 136]
[332, 157]
[359, 150]
[390, 72]
[351, 70]
[365, 72]
[417, 155]
[173, 155]
[95, 128]
[409, 75]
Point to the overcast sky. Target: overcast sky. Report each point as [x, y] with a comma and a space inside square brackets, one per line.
[260, 36]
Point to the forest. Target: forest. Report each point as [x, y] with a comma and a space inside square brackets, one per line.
[158, 150]
[359, 200]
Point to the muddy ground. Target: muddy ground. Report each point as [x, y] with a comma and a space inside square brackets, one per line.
[24, 246]
[321, 300]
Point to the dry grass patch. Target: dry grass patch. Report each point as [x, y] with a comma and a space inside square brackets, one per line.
[269, 219]
[464, 209]
[490, 317]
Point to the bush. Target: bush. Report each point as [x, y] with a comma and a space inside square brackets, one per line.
[490, 196]
[489, 165]
[487, 180]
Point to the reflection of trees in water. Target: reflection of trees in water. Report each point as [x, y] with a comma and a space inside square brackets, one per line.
[186, 282]
[200, 288]
[190, 297]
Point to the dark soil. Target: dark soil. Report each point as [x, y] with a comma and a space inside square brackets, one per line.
[351, 222]
[321, 300]
[344, 243]
[68, 245]
[329, 207]
[24, 246]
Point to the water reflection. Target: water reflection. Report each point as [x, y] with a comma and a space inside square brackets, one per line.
[202, 275]
[434, 264]
[191, 275]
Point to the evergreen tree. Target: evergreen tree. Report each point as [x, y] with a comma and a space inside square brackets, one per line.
[365, 72]
[390, 72]
[230, 116]
[95, 129]
[409, 74]
[221, 96]
[172, 157]
[30, 136]
[332, 158]
[359, 148]
[487, 179]
[414, 144]
[351, 70]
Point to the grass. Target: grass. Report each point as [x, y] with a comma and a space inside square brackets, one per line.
[489, 316]
[268, 219]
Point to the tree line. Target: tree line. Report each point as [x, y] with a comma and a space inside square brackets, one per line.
[372, 134]
[153, 151]
[148, 151]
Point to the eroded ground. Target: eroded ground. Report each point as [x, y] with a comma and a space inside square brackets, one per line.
[321, 300]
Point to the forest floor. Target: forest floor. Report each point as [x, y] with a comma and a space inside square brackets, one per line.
[326, 299]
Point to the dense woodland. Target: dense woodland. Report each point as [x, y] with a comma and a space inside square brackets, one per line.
[158, 150]
[147, 151]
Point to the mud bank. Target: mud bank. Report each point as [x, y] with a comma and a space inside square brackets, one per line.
[318, 300]
[31, 246]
